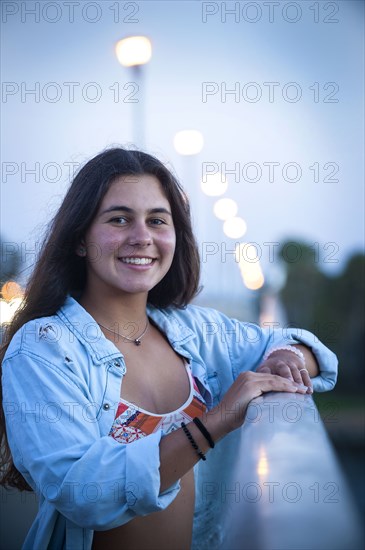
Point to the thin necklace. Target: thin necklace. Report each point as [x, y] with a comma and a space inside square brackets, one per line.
[137, 340]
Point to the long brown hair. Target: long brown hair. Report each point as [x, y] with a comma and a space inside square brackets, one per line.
[59, 271]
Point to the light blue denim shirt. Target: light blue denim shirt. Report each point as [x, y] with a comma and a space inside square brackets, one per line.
[61, 387]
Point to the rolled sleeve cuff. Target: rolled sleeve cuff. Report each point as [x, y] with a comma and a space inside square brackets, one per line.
[143, 476]
[327, 360]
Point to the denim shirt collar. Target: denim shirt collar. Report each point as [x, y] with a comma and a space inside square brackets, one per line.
[87, 331]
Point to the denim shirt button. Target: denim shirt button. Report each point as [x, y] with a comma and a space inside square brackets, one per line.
[106, 406]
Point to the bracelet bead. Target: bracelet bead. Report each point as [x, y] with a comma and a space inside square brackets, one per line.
[193, 442]
[285, 348]
[199, 424]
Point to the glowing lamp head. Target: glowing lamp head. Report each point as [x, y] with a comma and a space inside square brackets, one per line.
[234, 227]
[225, 209]
[188, 142]
[134, 51]
[249, 264]
[214, 184]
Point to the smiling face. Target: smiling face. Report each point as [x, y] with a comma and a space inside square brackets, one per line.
[131, 243]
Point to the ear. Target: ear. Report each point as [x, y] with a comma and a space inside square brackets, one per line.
[81, 249]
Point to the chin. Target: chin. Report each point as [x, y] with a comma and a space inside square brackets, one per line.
[135, 290]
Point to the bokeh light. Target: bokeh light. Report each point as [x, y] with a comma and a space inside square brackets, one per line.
[12, 298]
[5, 312]
[249, 264]
[133, 51]
[225, 208]
[235, 227]
[188, 142]
[214, 185]
[11, 290]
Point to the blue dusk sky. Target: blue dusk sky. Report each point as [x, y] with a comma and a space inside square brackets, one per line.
[276, 89]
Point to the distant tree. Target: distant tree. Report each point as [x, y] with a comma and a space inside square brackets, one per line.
[349, 295]
[10, 261]
[331, 307]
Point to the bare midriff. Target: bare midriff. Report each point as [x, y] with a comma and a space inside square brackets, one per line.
[163, 530]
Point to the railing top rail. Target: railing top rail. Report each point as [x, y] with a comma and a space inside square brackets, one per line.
[291, 492]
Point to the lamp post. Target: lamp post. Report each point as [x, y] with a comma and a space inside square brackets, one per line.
[134, 52]
[189, 143]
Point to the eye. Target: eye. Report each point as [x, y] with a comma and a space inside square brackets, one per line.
[121, 220]
[157, 221]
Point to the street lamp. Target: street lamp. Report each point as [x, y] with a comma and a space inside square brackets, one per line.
[188, 144]
[234, 227]
[134, 52]
[249, 264]
[225, 209]
[214, 184]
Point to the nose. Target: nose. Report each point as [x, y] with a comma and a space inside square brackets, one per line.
[140, 235]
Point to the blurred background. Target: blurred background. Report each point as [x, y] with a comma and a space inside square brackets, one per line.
[257, 107]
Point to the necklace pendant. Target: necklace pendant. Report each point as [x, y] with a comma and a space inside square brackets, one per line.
[137, 340]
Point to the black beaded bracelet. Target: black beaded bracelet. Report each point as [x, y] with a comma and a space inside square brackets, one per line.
[199, 424]
[193, 443]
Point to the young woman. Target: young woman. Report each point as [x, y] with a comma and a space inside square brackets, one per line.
[113, 387]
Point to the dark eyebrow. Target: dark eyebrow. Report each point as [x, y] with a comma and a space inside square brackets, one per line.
[158, 210]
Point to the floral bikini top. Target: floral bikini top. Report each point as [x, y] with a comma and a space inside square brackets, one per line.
[132, 422]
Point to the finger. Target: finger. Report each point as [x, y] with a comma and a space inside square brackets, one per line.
[254, 384]
[276, 382]
[299, 387]
[306, 379]
[301, 375]
[294, 369]
[283, 370]
[264, 370]
[297, 373]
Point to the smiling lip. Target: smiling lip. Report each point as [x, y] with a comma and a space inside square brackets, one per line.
[136, 260]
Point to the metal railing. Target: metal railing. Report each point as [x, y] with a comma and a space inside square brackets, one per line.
[286, 490]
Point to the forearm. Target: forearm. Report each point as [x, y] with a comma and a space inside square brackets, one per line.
[177, 456]
[322, 376]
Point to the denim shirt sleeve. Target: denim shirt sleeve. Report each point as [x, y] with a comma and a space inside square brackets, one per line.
[226, 343]
[93, 480]
[247, 344]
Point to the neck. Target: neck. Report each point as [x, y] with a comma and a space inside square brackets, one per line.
[112, 310]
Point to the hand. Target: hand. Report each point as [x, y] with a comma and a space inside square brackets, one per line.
[286, 364]
[231, 411]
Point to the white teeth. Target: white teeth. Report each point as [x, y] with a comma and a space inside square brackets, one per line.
[137, 261]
